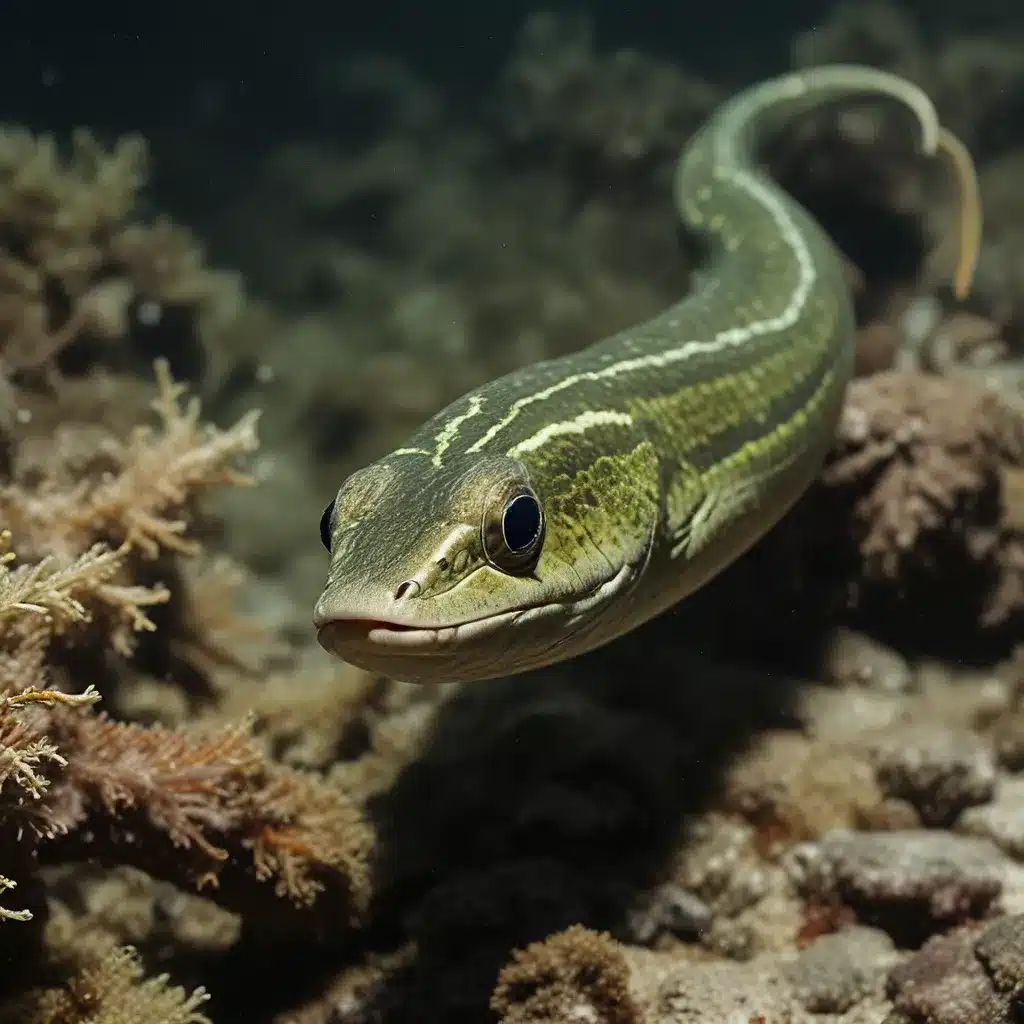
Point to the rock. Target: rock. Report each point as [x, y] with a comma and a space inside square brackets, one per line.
[963, 978]
[836, 971]
[910, 883]
[1001, 821]
[938, 770]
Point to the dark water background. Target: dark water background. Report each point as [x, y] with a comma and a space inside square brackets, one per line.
[178, 67]
[216, 86]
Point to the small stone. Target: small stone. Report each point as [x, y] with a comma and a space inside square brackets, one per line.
[945, 983]
[1008, 740]
[732, 940]
[853, 659]
[720, 866]
[1001, 949]
[672, 909]
[939, 771]
[837, 971]
[1001, 821]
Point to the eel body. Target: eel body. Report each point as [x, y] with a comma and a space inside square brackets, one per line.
[557, 507]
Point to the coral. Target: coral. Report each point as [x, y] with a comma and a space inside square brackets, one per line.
[206, 812]
[922, 461]
[609, 113]
[38, 603]
[102, 529]
[931, 449]
[135, 492]
[122, 793]
[23, 754]
[113, 991]
[576, 974]
[79, 267]
[209, 813]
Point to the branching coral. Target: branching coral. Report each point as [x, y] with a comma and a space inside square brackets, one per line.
[102, 527]
[22, 760]
[107, 517]
[118, 792]
[77, 266]
[36, 603]
[206, 810]
[113, 991]
[135, 492]
[124, 506]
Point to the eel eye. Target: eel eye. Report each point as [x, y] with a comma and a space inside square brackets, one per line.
[513, 532]
[325, 526]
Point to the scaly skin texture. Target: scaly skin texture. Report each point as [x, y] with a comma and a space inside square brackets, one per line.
[657, 455]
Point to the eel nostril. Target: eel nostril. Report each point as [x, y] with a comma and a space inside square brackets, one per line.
[410, 588]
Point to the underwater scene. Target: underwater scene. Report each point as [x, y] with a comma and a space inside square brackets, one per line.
[512, 515]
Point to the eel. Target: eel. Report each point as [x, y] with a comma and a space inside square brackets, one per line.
[555, 508]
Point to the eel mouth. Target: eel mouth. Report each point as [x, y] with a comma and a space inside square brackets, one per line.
[361, 639]
[345, 637]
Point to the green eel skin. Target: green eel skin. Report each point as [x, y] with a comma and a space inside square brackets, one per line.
[554, 509]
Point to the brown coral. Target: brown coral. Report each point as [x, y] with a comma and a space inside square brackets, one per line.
[135, 492]
[209, 812]
[101, 528]
[122, 793]
[24, 753]
[931, 448]
[922, 462]
[577, 974]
